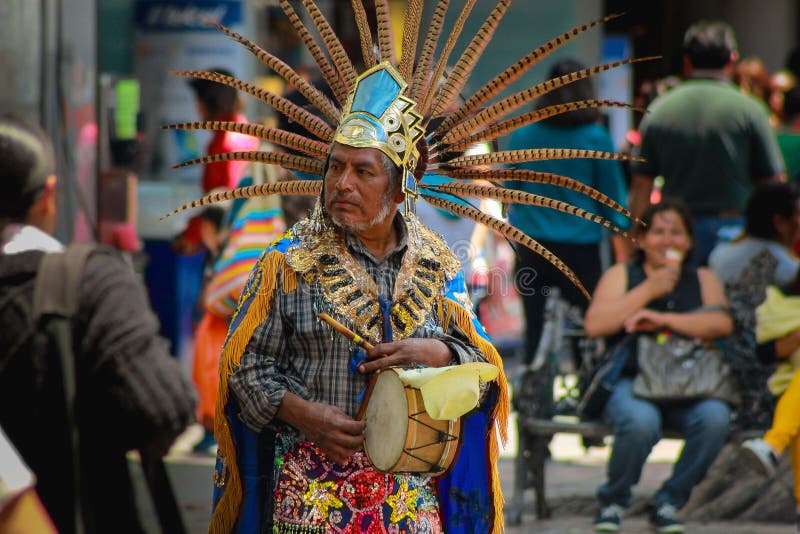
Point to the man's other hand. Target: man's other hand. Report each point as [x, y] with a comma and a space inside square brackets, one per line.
[407, 353]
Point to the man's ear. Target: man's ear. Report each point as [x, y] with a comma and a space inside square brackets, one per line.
[398, 195]
[779, 222]
[42, 212]
[688, 68]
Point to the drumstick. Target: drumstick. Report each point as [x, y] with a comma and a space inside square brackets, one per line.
[342, 329]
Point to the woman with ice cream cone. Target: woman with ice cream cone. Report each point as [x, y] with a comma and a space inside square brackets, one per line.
[658, 294]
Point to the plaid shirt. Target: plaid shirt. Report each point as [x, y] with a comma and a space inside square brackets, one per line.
[293, 350]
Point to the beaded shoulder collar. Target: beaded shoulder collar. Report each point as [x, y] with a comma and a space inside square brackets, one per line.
[350, 292]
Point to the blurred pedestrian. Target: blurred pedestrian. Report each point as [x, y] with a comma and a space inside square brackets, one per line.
[752, 77]
[130, 394]
[762, 256]
[780, 83]
[217, 102]
[577, 242]
[709, 141]
[789, 133]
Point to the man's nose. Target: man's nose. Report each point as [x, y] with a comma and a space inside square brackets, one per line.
[345, 180]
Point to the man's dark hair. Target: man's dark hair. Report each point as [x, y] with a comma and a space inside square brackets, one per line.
[392, 171]
[215, 215]
[27, 160]
[220, 100]
[582, 89]
[709, 44]
[766, 201]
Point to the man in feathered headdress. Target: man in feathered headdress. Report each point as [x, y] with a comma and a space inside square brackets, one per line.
[391, 280]
[288, 425]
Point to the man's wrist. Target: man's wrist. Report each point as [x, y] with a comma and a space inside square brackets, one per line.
[292, 410]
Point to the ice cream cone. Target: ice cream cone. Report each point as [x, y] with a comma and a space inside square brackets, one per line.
[674, 257]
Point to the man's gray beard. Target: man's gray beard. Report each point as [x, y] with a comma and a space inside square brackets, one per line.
[358, 228]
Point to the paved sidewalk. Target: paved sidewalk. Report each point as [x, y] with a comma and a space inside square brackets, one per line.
[572, 476]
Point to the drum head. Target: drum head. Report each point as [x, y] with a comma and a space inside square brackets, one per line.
[387, 421]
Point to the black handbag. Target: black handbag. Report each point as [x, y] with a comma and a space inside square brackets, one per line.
[674, 367]
[604, 378]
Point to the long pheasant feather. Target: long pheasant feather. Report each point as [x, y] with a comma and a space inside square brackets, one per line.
[509, 232]
[517, 100]
[512, 73]
[289, 161]
[463, 67]
[428, 48]
[335, 49]
[273, 135]
[441, 63]
[290, 187]
[410, 35]
[303, 117]
[364, 33]
[521, 197]
[532, 154]
[524, 175]
[385, 34]
[327, 70]
[453, 143]
[311, 93]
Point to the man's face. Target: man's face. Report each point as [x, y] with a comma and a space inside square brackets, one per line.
[357, 195]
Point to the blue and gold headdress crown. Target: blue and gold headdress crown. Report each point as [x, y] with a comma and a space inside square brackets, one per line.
[377, 114]
[390, 106]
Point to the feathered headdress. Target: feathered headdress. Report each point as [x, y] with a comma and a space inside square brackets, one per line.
[391, 104]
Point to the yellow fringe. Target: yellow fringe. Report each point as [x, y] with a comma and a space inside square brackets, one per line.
[227, 511]
[448, 311]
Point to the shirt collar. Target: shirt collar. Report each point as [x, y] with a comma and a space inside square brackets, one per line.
[22, 238]
[355, 244]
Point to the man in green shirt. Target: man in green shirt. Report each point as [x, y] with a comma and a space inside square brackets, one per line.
[710, 142]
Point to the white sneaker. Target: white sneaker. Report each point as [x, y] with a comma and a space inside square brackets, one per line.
[760, 455]
[609, 518]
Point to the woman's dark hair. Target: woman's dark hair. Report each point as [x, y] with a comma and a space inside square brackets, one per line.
[220, 100]
[667, 204]
[582, 89]
[766, 201]
[28, 159]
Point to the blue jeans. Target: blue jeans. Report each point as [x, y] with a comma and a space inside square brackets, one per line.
[637, 426]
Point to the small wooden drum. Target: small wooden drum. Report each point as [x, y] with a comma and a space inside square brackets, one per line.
[401, 437]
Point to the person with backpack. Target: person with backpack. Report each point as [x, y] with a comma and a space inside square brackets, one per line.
[128, 392]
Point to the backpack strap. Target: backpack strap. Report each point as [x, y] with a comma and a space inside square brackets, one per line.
[58, 282]
[56, 296]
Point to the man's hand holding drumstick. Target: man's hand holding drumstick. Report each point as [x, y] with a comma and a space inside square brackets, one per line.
[407, 352]
[336, 433]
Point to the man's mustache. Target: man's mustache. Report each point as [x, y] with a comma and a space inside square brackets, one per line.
[339, 197]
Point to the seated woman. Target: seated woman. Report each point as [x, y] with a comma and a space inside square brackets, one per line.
[654, 293]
